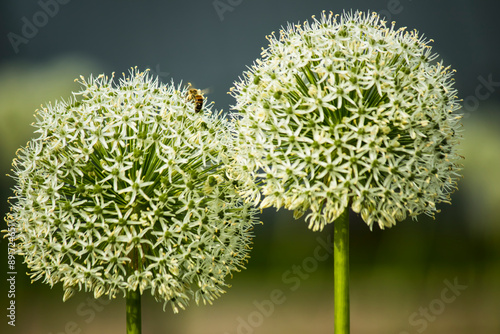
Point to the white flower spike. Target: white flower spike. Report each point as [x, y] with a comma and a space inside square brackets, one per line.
[112, 195]
[348, 112]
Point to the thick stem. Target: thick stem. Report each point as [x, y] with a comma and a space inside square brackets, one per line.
[133, 303]
[341, 273]
[134, 312]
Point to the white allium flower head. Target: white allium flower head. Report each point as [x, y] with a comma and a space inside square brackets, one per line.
[347, 112]
[126, 187]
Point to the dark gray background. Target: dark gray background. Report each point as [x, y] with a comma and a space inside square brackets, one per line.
[189, 41]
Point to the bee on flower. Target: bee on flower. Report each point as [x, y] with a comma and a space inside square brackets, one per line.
[112, 197]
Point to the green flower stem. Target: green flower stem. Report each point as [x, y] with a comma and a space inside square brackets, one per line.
[341, 273]
[134, 312]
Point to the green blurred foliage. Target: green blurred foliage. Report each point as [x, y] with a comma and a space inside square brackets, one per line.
[24, 86]
[481, 148]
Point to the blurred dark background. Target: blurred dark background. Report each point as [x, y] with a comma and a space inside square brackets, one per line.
[430, 276]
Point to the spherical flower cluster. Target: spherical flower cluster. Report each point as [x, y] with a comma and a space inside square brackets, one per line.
[126, 187]
[345, 112]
